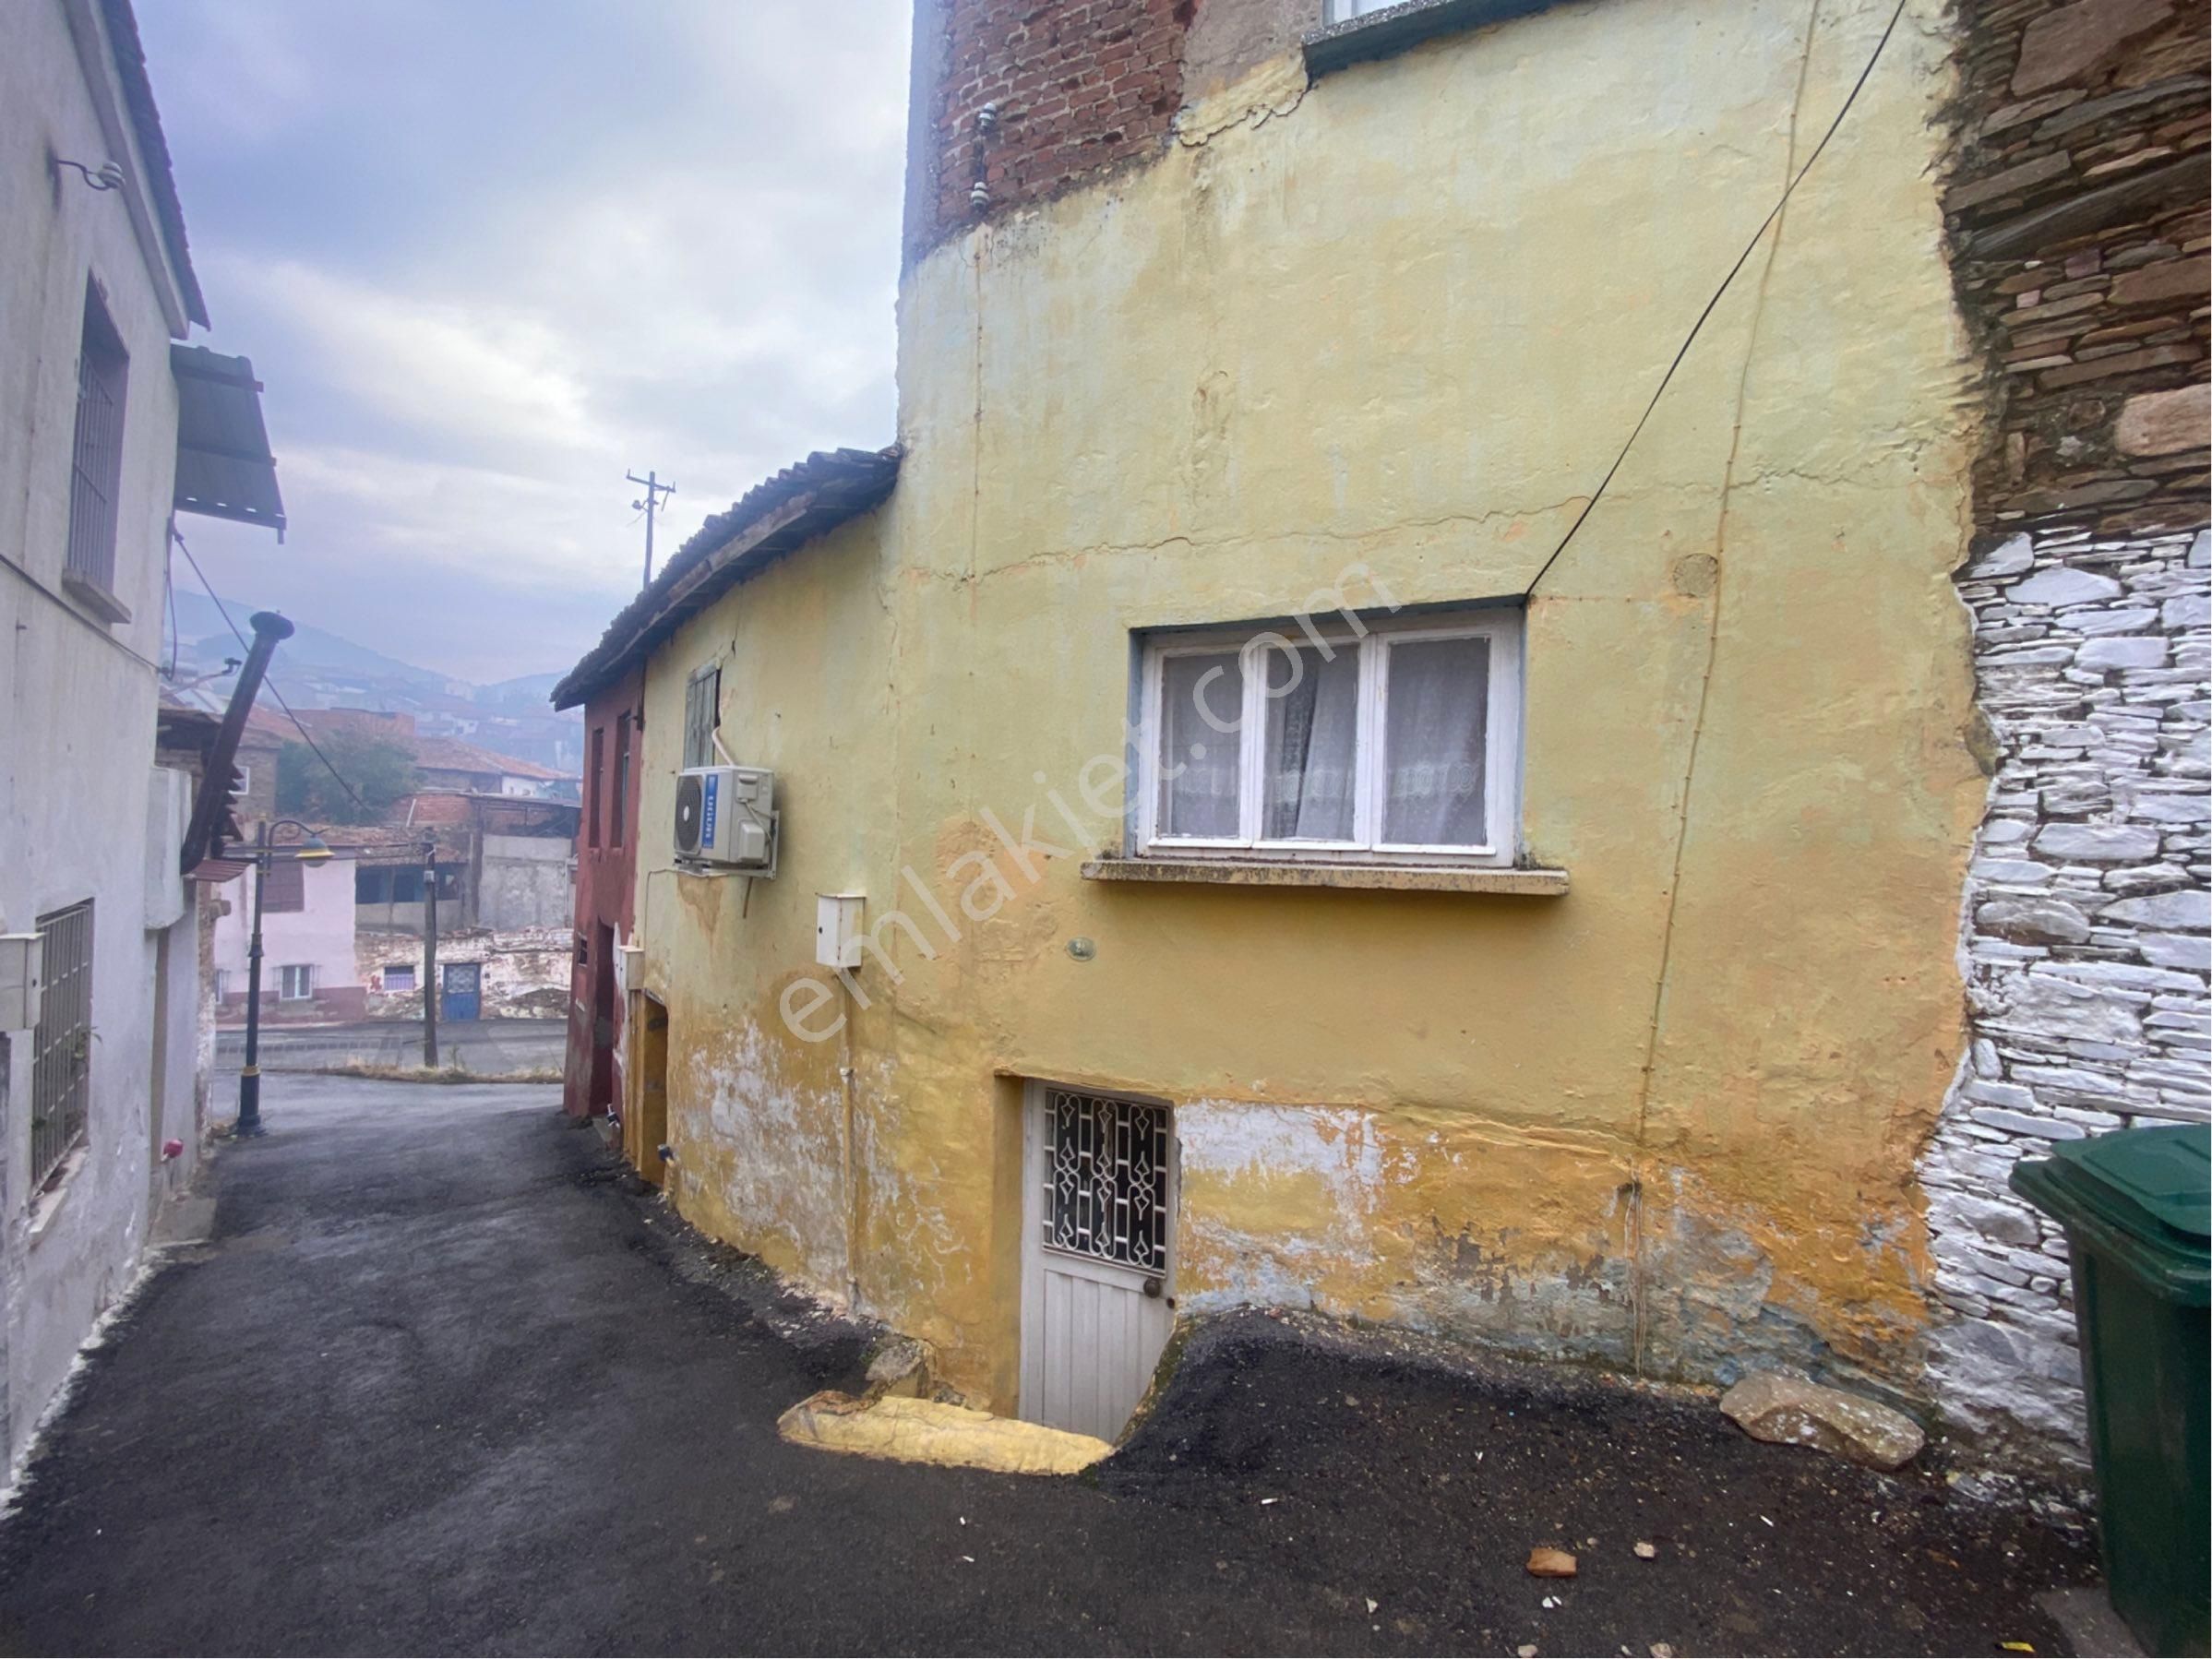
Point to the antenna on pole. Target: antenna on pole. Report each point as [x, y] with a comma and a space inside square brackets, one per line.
[655, 490]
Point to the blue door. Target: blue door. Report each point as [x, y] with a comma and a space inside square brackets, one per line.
[463, 995]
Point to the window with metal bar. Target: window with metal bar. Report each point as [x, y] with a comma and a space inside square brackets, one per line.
[61, 1065]
[96, 465]
[702, 713]
[1106, 1179]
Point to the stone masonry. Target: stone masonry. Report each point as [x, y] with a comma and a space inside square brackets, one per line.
[2078, 223]
[526, 970]
[2085, 947]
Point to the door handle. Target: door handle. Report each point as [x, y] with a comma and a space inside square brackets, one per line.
[1154, 1285]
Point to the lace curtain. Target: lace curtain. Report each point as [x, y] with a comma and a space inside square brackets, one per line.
[1438, 713]
[1312, 734]
[1434, 741]
[1198, 764]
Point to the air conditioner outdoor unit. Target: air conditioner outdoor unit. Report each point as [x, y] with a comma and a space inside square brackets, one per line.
[725, 817]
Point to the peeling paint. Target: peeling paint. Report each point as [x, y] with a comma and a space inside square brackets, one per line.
[1173, 399]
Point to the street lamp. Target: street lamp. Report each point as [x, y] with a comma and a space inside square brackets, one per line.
[250, 1080]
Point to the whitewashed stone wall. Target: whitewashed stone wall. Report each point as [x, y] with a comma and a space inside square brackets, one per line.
[2084, 939]
[526, 970]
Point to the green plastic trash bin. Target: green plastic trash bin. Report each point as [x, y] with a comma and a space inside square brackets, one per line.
[2137, 1207]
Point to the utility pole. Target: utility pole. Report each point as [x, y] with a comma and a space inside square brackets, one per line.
[248, 1126]
[429, 952]
[249, 1077]
[655, 490]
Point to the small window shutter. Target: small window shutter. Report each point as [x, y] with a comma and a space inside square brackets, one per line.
[287, 886]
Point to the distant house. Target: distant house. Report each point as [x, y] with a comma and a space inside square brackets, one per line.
[308, 968]
[505, 882]
[344, 939]
[447, 762]
[109, 426]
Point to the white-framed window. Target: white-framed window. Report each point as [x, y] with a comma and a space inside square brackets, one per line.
[295, 983]
[398, 977]
[1388, 742]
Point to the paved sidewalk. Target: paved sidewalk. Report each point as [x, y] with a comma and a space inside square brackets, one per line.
[439, 1385]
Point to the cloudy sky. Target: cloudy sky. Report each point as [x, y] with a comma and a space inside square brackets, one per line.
[487, 255]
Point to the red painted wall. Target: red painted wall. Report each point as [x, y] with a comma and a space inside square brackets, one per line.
[606, 846]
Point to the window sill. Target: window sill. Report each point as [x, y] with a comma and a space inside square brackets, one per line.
[95, 599]
[1380, 34]
[1390, 877]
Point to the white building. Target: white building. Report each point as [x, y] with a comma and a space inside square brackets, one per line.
[106, 428]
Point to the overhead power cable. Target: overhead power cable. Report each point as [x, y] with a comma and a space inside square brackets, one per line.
[308, 737]
[1742, 259]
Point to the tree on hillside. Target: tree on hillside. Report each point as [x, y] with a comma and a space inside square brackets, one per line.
[381, 772]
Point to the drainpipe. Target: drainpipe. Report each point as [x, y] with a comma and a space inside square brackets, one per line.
[852, 1183]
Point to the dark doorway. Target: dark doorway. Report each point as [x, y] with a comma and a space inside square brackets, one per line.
[652, 1089]
[603, 1021]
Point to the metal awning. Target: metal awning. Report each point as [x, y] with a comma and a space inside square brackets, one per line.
[225, 469]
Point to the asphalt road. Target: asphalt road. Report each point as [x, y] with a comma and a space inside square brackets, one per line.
[490, 1047]
[439, 1384]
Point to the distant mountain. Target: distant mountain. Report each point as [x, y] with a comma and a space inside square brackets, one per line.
[531, 692]
[317, 669]
[201, 626]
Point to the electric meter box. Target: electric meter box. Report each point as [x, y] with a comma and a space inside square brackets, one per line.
[21, 955]
[837, 929]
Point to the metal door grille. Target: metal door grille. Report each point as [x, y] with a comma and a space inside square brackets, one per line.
[1106, 1179]
[61, 1050]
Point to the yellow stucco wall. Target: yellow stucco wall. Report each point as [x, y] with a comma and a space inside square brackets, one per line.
[1398, 327]
[757, 1118]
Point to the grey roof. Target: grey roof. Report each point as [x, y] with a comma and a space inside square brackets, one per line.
[146, 125]
[773, 518]
[225, 469]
